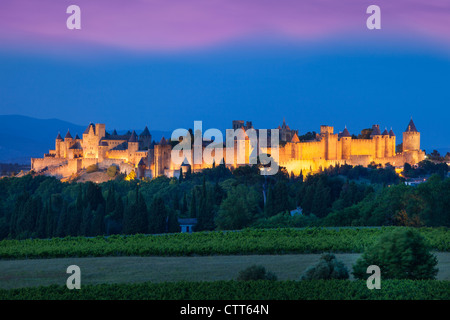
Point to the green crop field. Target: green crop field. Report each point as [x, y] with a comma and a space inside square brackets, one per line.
[235, 290]
[251, 241]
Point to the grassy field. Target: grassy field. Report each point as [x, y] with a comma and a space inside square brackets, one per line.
[37, 272]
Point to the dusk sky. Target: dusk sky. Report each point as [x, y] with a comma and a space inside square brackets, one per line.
[165, 63]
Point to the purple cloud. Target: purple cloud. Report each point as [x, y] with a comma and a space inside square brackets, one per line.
[148, 25]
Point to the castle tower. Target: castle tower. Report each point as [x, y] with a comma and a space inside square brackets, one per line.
[100, 130]
[145, 139]
[330, 139]
[90, 142]
[377, 138]
[346, 139]
[385, 136]
[102, 149]
[67, 143]
[58, 143]
[162, 157]
[133, 143]
[392, 140]
[151, 158]
[411, 145]
[411, 138]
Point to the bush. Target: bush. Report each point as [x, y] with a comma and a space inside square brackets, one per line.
[112, 171]
[92, 168]
[256, 272]
[327, 268]
[400, 254]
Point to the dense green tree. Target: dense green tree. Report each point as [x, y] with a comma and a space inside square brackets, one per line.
[239, 209]
[63, 221]
[206, 210]
[327, 268]
[193, 205]
[94, 195]
[158, 219]
[400, 254]
[255, 272]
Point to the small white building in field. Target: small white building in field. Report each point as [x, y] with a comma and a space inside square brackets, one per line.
[298, 211]
[187, 225]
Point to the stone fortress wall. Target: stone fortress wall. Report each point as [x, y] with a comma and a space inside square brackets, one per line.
[131, 152]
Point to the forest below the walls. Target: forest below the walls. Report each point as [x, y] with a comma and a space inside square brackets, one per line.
[220, 199]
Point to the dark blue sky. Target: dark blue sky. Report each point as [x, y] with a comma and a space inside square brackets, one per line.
[336, 84]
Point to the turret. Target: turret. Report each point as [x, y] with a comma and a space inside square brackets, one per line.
[102, 149]
[411, 138]
[145, 139]
[330, 140]
[58, 141]
[392, 138]
[346, 139]
[133, 143]
[379, 145]
[68, 143]
[386, 141]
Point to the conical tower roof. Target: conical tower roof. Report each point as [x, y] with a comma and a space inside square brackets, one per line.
[68, 135]
[163, 141]
[385, 132]
[411, 126]
[295, 138]
[58, 137]
[391, 133]
[145, 133]
[133, 137]
[345, 133]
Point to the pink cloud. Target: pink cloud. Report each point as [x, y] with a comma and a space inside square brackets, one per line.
[146, 25]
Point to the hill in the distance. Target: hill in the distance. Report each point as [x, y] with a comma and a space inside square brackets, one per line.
[22, 137]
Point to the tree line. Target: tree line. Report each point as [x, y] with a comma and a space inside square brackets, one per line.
[220, 199]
